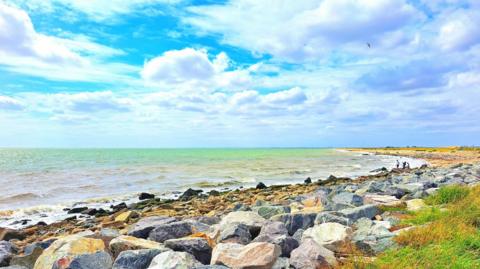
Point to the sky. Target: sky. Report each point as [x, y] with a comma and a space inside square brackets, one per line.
[239, 73]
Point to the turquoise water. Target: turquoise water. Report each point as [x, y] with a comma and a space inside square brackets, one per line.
[32, 177]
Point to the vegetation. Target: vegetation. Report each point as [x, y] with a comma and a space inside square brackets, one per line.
[447, 235]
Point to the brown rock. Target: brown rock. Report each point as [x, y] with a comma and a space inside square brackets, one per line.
[260, 255]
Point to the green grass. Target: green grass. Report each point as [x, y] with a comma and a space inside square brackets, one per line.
[448, 194]
[424, 216]
[447, 238]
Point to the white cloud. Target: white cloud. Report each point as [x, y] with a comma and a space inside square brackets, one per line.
[298, 30]
[460, 31]
[293, 96]
[8, 103]
[19, 38]
[194, 69]
[78, 58]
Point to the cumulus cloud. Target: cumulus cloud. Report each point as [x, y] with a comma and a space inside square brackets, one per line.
[298, 30]
[460, 31]
[18, 37]
[8, 103]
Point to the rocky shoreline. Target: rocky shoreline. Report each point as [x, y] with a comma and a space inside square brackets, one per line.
[317, 224]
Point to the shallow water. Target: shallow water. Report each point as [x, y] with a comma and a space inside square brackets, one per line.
[45, 180]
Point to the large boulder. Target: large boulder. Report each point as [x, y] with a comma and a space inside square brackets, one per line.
[377, 199]
[259, 255]
[198, 247]
[30, 254]
[174, 260]
[135, 259]
[348, 198]
[330, 235]
[295, 221]
[125, 242]
[372, 237]
[311, 255]
[143, 227]
[65, 250]
[276, 233]
[97, 260]
[235, 233]
[7, 250]
[171, 230]
[324, 217]
[249, 218]
[415, 204]
[267, 211]
[365, 211]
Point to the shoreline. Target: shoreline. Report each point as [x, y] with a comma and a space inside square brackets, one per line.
[193, 205]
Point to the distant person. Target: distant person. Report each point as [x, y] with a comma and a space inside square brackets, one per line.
[404, 165]
[408, 165]
[398, 164]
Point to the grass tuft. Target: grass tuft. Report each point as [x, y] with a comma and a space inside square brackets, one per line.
[448, 194]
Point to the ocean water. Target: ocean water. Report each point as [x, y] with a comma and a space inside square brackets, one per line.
[40, 182]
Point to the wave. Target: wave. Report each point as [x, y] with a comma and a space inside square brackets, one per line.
[20, 197]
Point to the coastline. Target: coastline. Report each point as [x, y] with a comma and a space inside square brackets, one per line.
[302, 199]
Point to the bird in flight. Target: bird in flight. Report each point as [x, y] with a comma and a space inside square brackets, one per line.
[369, 46]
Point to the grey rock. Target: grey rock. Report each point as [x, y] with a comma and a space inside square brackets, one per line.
[210, 267]
[143, 227]
[272, 210]
[7, 250]
[295, 221]
[410, 187]
[235, 233]
[311, 255]
[372, 237]
[298, 235]
[276, 233]
[174, 260]
[324, 217]
[97, 260]
[15, 267]
[348, 198]
[171, 231]
[365, 211]
[198, 247]
[249, 218]
[135, 259]
[208, 220]
[108, 232]
[281, 263]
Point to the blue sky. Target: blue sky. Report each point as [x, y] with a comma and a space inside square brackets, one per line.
[239, 73]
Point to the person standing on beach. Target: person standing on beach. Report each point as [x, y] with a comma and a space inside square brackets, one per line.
[398, 164]
[404, 165]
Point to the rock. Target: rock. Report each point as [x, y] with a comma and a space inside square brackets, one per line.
[208, 220]
[241, 207]
[125, 242]
[28, 259]
[7, 250]
[298, 235]
[269, 211]
[365, 211]
[7, 234]
[119, 207]
[308, 181]
[330, 235]
[15, 267]
[77, 210]
[125, 216]
[210, 267]
[235, 233]
[295, 221]
[107, 232]
[66, 249]
[189, 194]
[171, 231]
[135, 259]
[97, 260]
[198, 247]
[410, 187]
[253, 256]
[276, 233]
[143, 227]
[89, 211]
[251, 219]
[324, 217]
[415, 204]
[174, 260]
[348, 198]
[145, 196]
[261, 186]
[281, 263]
[372, 237]
[311, 255]
[376, 199]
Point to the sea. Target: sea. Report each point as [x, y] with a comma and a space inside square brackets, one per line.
[37, 184]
